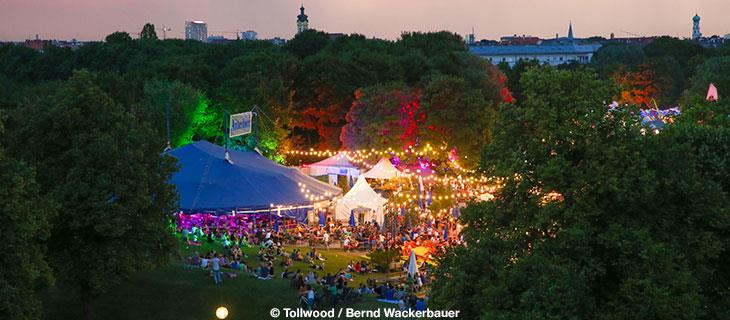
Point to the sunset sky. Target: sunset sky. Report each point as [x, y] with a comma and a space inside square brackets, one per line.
[94, 19]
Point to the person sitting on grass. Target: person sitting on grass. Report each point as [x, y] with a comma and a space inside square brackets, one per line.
[285, 261]
[263, 273]
[298, 256]
[271, 270]
[286, 274]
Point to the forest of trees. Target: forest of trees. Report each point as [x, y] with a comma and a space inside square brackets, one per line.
[641, 231]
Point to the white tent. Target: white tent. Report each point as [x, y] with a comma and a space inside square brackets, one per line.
[382, 170]
[360, 197]
[337, 165]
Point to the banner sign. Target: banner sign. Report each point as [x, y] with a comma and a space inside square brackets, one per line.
[240, 124]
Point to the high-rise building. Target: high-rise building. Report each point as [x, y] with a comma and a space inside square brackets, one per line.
[302, 21]
[249, 35]
[696, 34]
[196, 30]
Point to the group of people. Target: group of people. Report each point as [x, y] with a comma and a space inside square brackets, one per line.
[313, 288]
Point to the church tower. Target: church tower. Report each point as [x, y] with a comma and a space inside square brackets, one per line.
[302, 21]
[570, 31]
[696, 34]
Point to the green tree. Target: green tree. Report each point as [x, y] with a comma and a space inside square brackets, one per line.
[24, 216]
[175, 98]
[307, 43]
[715, 70]
[148, 32]
[457, 116]
[118, 37]
[105, 171]
[611, 57]
[594, 219]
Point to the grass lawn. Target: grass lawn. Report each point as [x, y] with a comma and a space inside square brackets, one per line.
[177, 293]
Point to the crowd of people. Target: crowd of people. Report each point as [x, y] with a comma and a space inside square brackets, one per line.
[314, 285]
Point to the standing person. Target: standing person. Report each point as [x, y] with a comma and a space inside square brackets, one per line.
[310, 297]
[216, 269]
[326, 239]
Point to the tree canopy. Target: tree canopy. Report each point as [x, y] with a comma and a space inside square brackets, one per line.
[595, 219]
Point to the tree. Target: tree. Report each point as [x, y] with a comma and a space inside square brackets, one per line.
[148, 32]
[307, 43]
[715, 70]
[24, 216]
[105, 171]
[570, 234]
[457, 116]
[612, 57]
[118, 37]
[175, 98]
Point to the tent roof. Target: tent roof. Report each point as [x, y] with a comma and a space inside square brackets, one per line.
[362, 195]
[339, 160]
[382, 170]
[207, 182]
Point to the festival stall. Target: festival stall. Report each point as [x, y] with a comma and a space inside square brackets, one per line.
[337, 165]
[363, 199]
[384, 169]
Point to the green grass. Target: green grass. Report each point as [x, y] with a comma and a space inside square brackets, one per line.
[177, 293]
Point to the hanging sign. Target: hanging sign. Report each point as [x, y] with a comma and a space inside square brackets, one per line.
[240, 124]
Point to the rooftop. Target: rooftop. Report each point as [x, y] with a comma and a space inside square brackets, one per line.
[534, 49]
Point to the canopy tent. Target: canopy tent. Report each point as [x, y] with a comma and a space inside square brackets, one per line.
[382, 170]
[361, 196]
[207, 182]
[337, 165]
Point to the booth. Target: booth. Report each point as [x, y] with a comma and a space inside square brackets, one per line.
[337, 165]
[361, 201]
[382, 170]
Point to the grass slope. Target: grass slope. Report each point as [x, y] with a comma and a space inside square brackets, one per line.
[176, 293]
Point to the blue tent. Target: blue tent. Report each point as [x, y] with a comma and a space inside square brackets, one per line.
[206, 182]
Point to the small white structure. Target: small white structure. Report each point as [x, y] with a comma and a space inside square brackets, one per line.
[364, 200]
[412, 266]
[337, 165]
[382, 170]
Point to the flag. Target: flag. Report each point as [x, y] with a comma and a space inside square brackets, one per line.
[352, 218]
[321, 218]
[712, 93]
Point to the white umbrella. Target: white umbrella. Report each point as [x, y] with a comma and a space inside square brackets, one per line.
[412, 268]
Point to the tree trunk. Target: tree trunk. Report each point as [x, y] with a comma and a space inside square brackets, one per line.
[87, 301]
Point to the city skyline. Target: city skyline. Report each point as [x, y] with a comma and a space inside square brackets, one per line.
[94, 19]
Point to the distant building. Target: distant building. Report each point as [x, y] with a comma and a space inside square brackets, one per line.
[277, 41]
[696, 34]
[249, 35]
[302, 21]
[470, 38]
[216, 39]
[713, 41]
[36, 44]
[519, 40]
[553, 52]
[334, 35]
[196, 30]
[548, 54]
